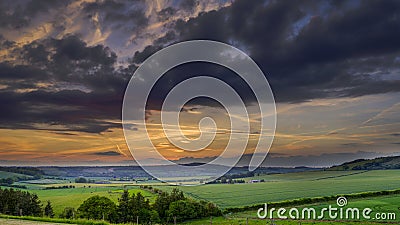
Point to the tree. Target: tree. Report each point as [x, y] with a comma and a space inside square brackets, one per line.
[98, 208]
[161, 205]
[48, 210]
[139, 207]
[123, 207]
[212, 209]
[182, 210]
[154, 217]
[68, 213]
[176, 195]
[35, 208]
[80, 180]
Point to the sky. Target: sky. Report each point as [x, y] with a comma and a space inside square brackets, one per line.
[333, 67]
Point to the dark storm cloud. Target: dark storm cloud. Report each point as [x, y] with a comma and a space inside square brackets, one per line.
[18, 14]
[158, 44]
[62, 84]
[164, 14]
[188, 4]
[71, 109]
[308, 49]
[5, 44]
[71, 60]
[118, 14]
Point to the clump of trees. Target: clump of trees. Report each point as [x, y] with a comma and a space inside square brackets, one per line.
[60, 187]
[134, 207]
[131, 208]
[175, 206]
[83, 180]
[232, 178]
[18, 203]
[98, 208]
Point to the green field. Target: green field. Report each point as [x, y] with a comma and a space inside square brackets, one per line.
[276, 188]
[73, 197]
[380, 204]
[293, 186]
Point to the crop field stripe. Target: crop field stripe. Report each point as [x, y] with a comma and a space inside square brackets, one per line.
[231, 195]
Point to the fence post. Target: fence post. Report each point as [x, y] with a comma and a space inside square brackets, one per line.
[247, 220]
[210, 220]
[175, 220]
[137, 220]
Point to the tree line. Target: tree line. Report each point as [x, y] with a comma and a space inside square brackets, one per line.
[31, 171]
[232, 178]
[18, 203]
[132, 208]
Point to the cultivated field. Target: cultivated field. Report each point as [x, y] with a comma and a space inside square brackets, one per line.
[293, 186]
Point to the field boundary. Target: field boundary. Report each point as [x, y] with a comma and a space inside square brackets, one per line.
[343, 175]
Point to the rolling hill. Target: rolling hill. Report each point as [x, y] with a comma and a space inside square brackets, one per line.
[381, 163]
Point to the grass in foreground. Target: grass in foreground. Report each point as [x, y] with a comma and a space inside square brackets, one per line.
[224, 221]
[215, 220]
[55, 220]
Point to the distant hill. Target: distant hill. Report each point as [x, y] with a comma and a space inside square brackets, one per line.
[382, 163]
[30, 171]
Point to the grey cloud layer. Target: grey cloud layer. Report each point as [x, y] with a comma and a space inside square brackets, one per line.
[308, 49]
[311, 49]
